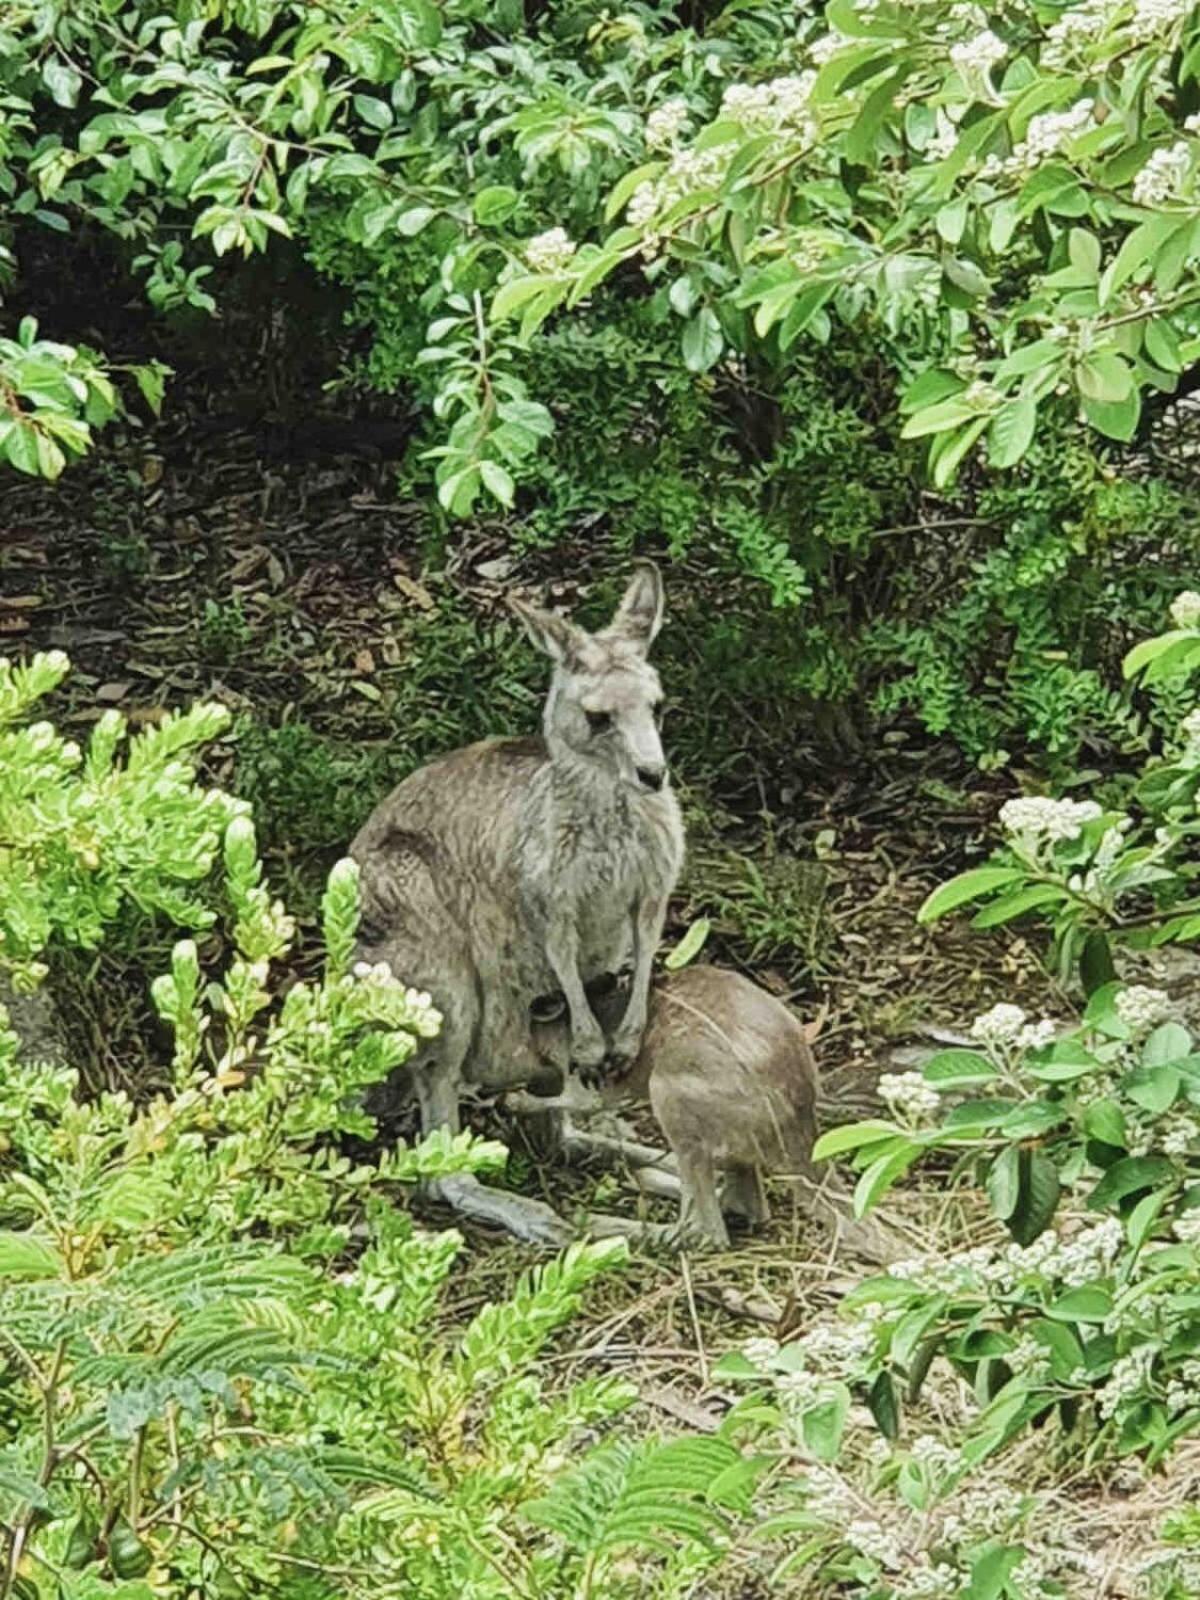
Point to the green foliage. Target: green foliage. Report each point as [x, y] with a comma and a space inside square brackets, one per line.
[223, 1366]
[1102, 876]
[841, 240]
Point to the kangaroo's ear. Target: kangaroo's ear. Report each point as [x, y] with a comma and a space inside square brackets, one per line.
[640, 614]
[560, 639]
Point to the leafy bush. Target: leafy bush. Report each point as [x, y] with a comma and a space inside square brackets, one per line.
[222, 1365]
[736, 372]
[1096, 1124]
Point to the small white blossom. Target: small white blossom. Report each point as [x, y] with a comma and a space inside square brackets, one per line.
[1129, 1376]
[1189, 730]
[1185, 609]
[665, 123]
[1001, 1025]
[550, 251]
[980, 54]
[760, 1352]
[943, 139]
[908, 1094]
[1151, 17]
[1141, 1008]
[871, 1539]
[642, 205]
[1180, 1137]
[1037, 821]
[1163, 175]
[1037, 1035]
[1048, 132]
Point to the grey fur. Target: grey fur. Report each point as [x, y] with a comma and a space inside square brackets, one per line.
[517, 867]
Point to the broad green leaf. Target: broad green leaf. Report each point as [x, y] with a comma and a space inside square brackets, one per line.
[1009, 906]
[1115, 419]
[954, 1068]
[690, 946]
[1003, 1183]
[1104, 377]
[884, 1406]
[1129, 1176]
[497, 480]
[495, 205]
[967, 886]
[850, 1136]
[948, 452]
[1081, 1305]
[25, 1256]
[703, 341]
[1011, 431]
[1040, 1189]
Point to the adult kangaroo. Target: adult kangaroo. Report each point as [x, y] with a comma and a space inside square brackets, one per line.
[517, 868]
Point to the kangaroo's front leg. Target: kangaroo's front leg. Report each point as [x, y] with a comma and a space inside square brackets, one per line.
[648, 918]
[588, 1046]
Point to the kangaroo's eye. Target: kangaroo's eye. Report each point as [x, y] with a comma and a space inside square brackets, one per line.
[598, 721]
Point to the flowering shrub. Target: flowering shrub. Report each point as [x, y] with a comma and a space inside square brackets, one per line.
[1103, 875]
[864, 1516]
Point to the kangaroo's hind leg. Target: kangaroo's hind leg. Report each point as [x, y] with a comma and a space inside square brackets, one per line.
[744, 1194]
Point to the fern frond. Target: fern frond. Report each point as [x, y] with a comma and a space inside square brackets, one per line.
[622, 1496]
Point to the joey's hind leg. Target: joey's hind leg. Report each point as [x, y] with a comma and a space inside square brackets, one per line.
[744, 1194]
[700, 1209]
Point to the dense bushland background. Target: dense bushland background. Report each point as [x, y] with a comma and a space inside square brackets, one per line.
[325, 324]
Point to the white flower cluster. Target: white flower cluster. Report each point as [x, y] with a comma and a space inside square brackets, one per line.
[689, 171]
[909, 1096]
[760, 1352]
[838, 1347]
[550, 251]
[943, 139]
[1081, 1259]
[1152, 17]
[1074, 31]
[826, 47]
[1187, 1227]
[1003, 1023]
[1129, 1376]
[1163, 175]
[983, 1510]
[930, 1452]
[1183, 1388]
[979, 54]
[1141, 1008]
[871, 1539]
[1180, 1136]
[1045, 136]
[768, 107]
[1185, 609]
[665, 123]
[1189, 730]
[938, 1582]
[1038, 821]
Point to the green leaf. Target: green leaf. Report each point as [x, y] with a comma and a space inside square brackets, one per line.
[1081, 1305]
[411, 222]
[25, 1256]
[152, 382]
[497, 480]
[965, 887]
[1145, 241]
[703, 341]
[1010, 906]
[1168, 1043]
[1129, 1176]
[1104, 377]
[1103, 1121]
[824, 1424]
[495, 204]
[1096, 963]
[62, 80]
[690, 946]
[884, 1406]
[958, 1068]
[1011, 431]
[1003, 1183]
[1115, 419]
[375, 113]
[1038, 1202]
[511, 296]
[881, 1175]
[1150, 649]
[852, 1136]
[947, 451]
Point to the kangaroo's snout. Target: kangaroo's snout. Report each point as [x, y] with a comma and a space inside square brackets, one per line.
[652, 777]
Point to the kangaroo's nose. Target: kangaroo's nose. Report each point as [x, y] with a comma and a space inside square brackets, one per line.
[651, 777]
